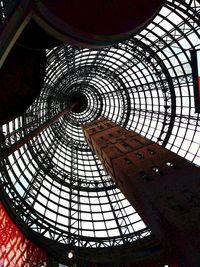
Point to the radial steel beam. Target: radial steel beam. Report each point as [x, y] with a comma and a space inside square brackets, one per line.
[8, 151]
[14, 24]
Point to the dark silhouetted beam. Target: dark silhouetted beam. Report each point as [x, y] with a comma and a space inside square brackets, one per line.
[12, 27]
[10, 150]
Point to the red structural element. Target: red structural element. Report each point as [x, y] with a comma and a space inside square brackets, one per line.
[15, 249]
[161, 186]
[97, 21]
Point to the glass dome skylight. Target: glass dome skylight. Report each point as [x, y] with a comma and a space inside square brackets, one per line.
[55, 183]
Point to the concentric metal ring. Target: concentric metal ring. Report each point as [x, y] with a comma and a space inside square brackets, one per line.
[55, 183]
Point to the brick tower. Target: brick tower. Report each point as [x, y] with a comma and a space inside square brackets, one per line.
[161, 186]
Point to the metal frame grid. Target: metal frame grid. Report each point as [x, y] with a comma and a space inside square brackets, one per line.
[55, 183]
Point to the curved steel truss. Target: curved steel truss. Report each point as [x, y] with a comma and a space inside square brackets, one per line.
[55, 183]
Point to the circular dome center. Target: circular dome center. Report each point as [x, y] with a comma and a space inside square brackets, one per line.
[81, 99]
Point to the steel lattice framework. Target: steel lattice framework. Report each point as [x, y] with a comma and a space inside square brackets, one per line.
[55, 183]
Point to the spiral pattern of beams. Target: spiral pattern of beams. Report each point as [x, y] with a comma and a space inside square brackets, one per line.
[55, 183]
